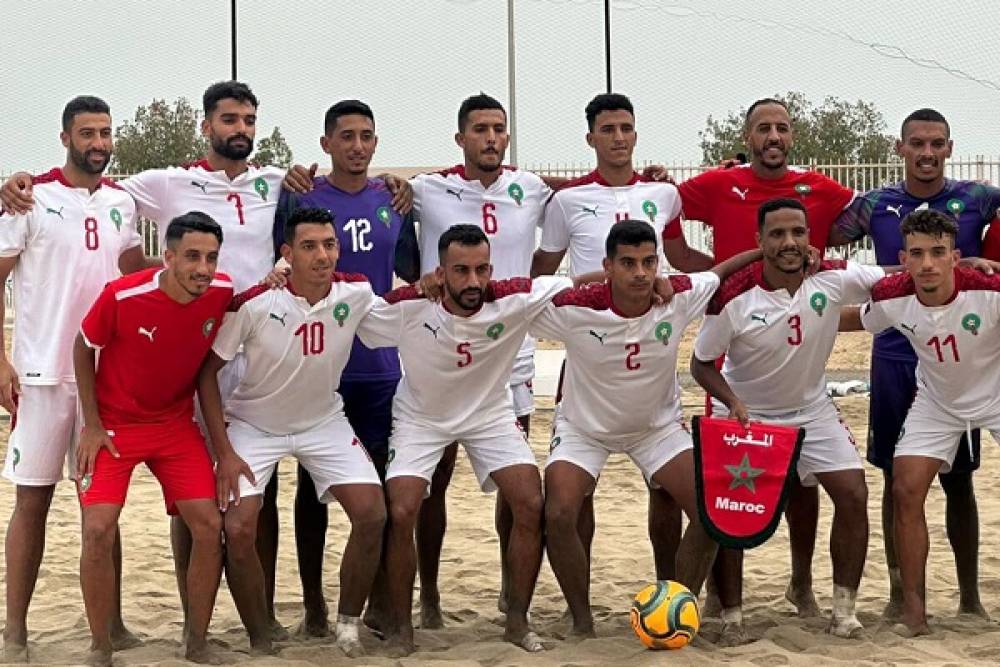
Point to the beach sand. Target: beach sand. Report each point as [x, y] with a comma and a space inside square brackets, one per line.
[622, 564]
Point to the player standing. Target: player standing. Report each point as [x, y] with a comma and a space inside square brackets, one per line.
[949, 316]
[777, 326]
[153, 329]
[79, 234]
[925, 145]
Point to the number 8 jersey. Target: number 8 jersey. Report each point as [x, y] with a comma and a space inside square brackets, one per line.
[67, 247]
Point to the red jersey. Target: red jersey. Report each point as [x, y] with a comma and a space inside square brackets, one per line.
[151, 347]
[728, 199]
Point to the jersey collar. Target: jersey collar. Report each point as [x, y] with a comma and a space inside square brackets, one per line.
[614, 308]
[595, 177]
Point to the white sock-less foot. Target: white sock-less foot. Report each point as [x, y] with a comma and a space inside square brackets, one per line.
[347, 635]
[844, 622]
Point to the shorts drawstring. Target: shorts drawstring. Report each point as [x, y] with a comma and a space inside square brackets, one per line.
[968, 437]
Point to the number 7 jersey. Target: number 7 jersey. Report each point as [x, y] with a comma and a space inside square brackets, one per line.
[957, 344]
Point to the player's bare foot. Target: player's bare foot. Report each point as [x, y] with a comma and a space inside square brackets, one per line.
[98, 658]
[123, 639]
[733, 634]
[199, 651]
[847, 628]
[908, 631]
[278, 632]
[313, 627]
[399, 646]
[431, 617]
[804, 600]
[14, 651]
[893, 609]
[974, 608]
[525, 638]
[262, 646]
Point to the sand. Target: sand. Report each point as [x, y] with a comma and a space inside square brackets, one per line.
[470, 579]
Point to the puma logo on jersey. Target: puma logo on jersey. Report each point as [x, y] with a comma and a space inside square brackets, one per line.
[742, 194]
[456, 193]
[201, 185]
[759, 318]
[280, 319]
[592, 211]
[433, 330]
[148, 333]
[59, 212]
[895, 209]
[912, 328]
[598, 336]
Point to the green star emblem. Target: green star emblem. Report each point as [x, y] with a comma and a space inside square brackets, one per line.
[116, 217]
[818, 302]
[390, 457]
[971, 323]
[341, 312]
[384, 216]
[495, 330]
[744, 474]
[663, 331]
[955, 206]
[803, 188]
[85, 483]
[17, 459]
[649, 208]
[260, 187]
[556, 441]
[516, 193]
[207, 327]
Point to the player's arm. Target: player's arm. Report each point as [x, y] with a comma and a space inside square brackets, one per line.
[546, 262]
[680, 255]
[725, 268]
[555, 239]
[93, 436]
[711, 380]
[850, 319]
[229, 466]
[402, 193]
[9, 383]
[134, 259]
[407, 259]
[713, 341]
[15, 195]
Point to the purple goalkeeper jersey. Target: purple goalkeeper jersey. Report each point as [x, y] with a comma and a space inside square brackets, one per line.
[375, 241]
[879, 213]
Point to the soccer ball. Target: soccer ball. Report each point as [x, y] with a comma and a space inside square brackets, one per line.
[665, 615]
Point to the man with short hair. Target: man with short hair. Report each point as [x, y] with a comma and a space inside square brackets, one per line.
[153, 329]
[296, 341]
[456, 358]
[777, 326]
[621, 395]
[61, 254]
[949, 316]
[373, 240]
[925, 145]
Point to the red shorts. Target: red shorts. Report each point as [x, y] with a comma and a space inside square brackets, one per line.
[175, 453]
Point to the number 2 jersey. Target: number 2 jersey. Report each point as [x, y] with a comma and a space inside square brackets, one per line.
[777, 344]
[957, 344]
[621, 372]
[455, 369]
[67, 247]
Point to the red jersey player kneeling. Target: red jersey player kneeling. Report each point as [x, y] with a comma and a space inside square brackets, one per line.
[153, 329]
[950, 316]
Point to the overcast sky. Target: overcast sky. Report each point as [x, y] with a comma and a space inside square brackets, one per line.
[414, 61]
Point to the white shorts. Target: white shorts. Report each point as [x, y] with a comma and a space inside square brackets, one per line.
[829, 445]
[415, 449]
[229, 379]
[649, 451]
[43, 435]
[330, 451]
[932, 432]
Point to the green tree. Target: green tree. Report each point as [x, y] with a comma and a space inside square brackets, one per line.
[160, 135]
[273, 150]
[835, 131]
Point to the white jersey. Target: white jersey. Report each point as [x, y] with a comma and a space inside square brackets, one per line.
[295, 352]
[244, 207]
[957, 344]
[67, 247]
[581, 213]
[455, 369]
[621, 372]
[509, 212]
[777, 344]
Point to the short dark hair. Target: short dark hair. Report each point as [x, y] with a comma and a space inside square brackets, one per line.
[82, 104]
[192, 221]
[772, 205]
[467, 235]
[926, 115]
[305, 216]
[759, 103]
[346, 108]
[226, 90]
[930, 222]
[606, 102]
[628, 232]
[478, 102]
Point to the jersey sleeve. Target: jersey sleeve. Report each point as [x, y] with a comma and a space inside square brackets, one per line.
[703, 286]
[417, 185]
[543, 289]
[989, 204]
[555, 227]
[15, 231]
[991, 243]
[406, 263]
[383, 325]
[714, 337]
[697, 197]
[854, 222]
[875, 318]
[838, 196]
[149, 189]
[237, 327]
[549, 323]
[858, 280]
[131, 233]
[98, 326]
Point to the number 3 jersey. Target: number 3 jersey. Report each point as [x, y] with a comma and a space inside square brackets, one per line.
[67, 247]
[777, 344]
[455, 369]
[295, 352]
[957, 344]
[621, 372]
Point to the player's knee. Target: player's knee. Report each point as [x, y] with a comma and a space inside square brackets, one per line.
[372, 517]
[527, 507]
[560, 516]
[33, 500]
[206, 528]
[907, 493]
[241, 535]
[98, 537]
[403, 514]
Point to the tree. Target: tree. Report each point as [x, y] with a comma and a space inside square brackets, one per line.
[274, 150]
[158, 136]
[836, 131]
